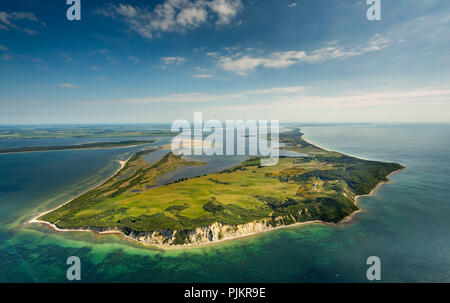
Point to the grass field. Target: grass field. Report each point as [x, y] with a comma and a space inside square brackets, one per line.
[320, 186]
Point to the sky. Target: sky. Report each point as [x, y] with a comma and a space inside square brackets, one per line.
[136, 61]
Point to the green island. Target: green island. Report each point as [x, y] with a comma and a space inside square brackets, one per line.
[93, 145]
[243, 200]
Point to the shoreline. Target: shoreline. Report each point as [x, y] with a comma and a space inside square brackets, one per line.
[35, 219]
[347, 220]
[67, 149]
[372, 193]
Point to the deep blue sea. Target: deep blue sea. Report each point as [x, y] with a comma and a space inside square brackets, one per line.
[406, 224]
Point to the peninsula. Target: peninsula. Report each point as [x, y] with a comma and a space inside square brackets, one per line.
[318, 186]
[94, 145]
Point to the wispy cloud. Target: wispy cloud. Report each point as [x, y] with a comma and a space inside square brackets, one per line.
[68, 85]
[430, 28]
[9, 21]
[66, 57]
[421, 104]
[278, 90]
[42, 67]
[3, 48]
[173, 60]
[101, 78]
[297, 102]
[203, 76]
[226, 10]
[196, 97]
[203, 73]
[40, 64]
[292, 5]
[133, 58]
[242, 64]
[182, 98]
[173, 15]
[30, 58]
[364, 99]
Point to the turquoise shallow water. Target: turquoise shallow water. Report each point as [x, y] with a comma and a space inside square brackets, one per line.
[405, 224]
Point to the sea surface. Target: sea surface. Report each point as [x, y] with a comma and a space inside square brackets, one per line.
[406, 224]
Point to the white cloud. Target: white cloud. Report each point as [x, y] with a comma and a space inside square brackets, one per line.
[191, 16]
[364, 99]
[203, 76]
[173, 15]
[242, 64]
[421, 104]
[9, 21]
[3, 48]
[133, 58]
[173, 60]
[188, 97]
[295, 96]
[68, 85]
[226, 10]
[94, 68]
[126, 10]
[278, 90]
[296, 103]
[101, 78]
[428, 28]
[292, 5]
[196, 97]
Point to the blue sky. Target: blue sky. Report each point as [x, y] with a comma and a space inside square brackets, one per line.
[148, 61]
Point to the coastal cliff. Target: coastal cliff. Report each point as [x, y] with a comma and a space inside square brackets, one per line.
[216, 232]
[202, 235]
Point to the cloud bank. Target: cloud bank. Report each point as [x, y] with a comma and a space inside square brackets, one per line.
[173, 15]
[243, 64]
[8, 21]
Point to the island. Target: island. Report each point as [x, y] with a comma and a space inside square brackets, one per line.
[317, 186]
[94, 145]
